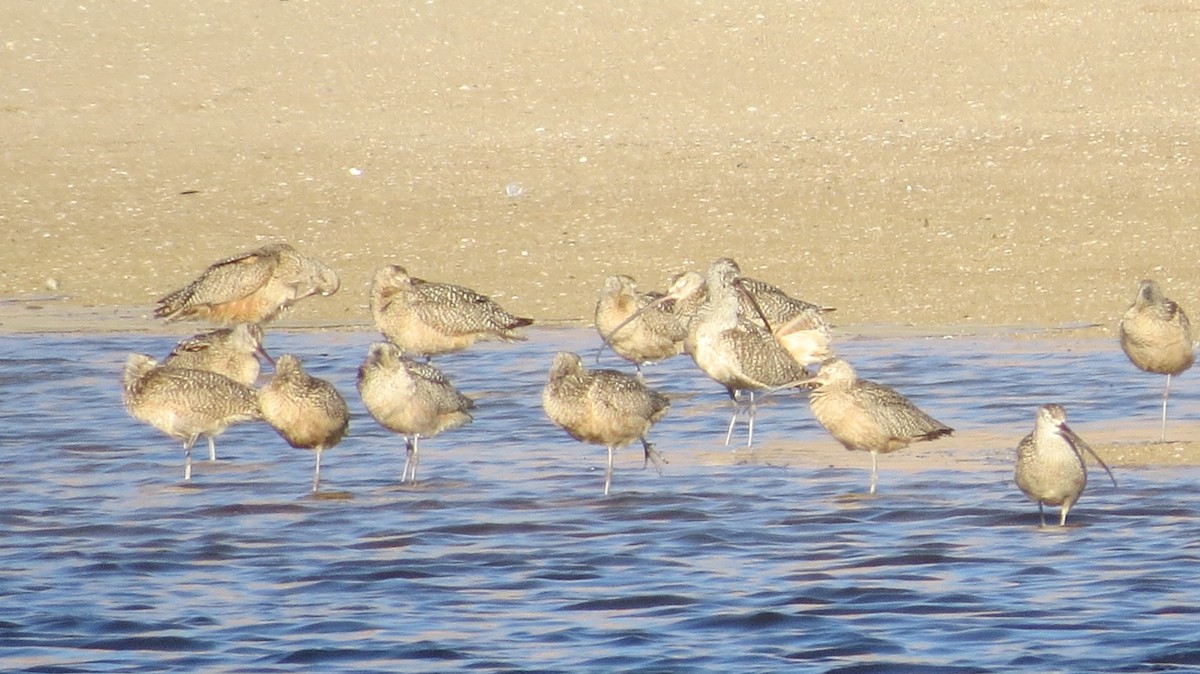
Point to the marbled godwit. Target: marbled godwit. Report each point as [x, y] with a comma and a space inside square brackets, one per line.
[603, 407]
[867, 416]
[306, 411]
[186, 403]
[411, 398]
[1157, 337]
[427, 319]
[1050, 466]
[233, 352]
[656, 333]
[253, 287]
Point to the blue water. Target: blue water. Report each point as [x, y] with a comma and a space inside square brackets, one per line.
[506, 557]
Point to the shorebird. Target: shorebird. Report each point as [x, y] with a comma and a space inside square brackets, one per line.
[1050, 465]
[186, 403]
[603, 407]
[799, 326]
[736, 353]
[252, 287]
[1157, 337]
[233, 352]
[866, 416]
[425, 318]
[306, 411]
[655, 334]
[411, 398]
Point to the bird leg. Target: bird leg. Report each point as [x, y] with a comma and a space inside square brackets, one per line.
[608, 471]
[187, 457]
[652, 455]
[1042, 513]
[874, 472]
[1166, 392]
[410, 454]
[753, 410]
[737, 407]
[317, 472]
[212, 449]
[1062, 514]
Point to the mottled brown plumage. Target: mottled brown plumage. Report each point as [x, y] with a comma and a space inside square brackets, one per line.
[636, 325]
[185, 403]
[734, 352]
[1050, 468]
[306, 411]
[251, 287]
[1157, 337]
[425, 318]
[233, 352]
[603, 407]
[411, 398]
[866, 416]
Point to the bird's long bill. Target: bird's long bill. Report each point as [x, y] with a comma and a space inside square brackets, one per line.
[262, 351]
[607, 339]
[1079, 442]
[737, 283]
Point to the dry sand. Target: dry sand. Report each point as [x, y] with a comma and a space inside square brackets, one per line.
[995, 167]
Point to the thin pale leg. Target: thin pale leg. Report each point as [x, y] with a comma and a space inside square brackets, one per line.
[410, 451]
[608, 471]
[737, 408]
[317, 472]
[1166, 393]
[753, 410]
[874, 472]
[212, 449]
[1062, 514]
[187, 458]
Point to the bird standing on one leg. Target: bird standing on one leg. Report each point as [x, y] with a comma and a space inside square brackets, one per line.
[1157, 337]
[603, 407]
[306, 411]
[1050, 465]
[411, 398]
[864, 415]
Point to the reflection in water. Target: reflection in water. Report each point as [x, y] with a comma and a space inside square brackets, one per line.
[508, 558]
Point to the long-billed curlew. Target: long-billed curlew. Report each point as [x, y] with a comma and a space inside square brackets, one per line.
[736, 353]
[1050, 465]
[425, 318]
[233, 352]
[186, 403]
[306, 411]
[867, 416]
[1157, 337]
[729, 348]
[656, 333]
[411, 398]
[252, 287]
[603, 407]
[799, 326]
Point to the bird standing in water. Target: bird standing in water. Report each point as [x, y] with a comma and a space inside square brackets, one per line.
[1050, 465]
[866, 416]
[306, 411]
[1157, 337]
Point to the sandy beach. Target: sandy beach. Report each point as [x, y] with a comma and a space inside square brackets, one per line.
[1012, 165]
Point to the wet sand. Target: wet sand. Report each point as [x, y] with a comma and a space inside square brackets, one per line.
[941, 167]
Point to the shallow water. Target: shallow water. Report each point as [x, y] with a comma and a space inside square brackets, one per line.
[505, 556]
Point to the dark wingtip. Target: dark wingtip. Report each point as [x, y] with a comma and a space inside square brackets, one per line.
[521, 323]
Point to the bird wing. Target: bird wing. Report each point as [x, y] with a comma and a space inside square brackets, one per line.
[897, 414]
[455, 309]
[763, 362]
[225, 281]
